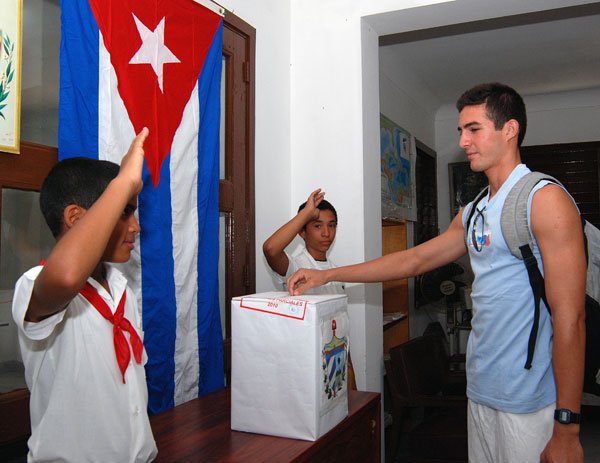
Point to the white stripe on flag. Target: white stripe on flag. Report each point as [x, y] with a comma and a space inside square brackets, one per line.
[184, 188]
[115, 133]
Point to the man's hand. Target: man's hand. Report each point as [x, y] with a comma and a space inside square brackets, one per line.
[312, 203]
[563, 448]
[133, 161]
[305, 279]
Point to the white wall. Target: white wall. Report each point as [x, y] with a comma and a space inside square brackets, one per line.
[335, 145]
[327, 152]
[403, 98]
[318, 143]
[308, 135]
[563, 118]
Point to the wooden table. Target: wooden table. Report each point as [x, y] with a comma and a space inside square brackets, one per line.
[200, 431]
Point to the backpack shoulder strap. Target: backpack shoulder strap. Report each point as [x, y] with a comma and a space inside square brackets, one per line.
[515, 227]
[474, 204]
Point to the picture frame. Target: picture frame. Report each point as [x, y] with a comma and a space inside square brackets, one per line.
[464, 185]
[11, 40]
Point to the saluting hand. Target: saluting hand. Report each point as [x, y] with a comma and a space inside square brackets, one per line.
[312, 203]
[133, 161]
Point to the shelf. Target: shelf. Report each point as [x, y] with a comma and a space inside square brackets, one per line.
[391, 319]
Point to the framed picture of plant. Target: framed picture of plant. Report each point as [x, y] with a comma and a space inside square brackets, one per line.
[11, 27]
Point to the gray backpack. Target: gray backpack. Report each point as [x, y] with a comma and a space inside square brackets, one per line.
[515, 229]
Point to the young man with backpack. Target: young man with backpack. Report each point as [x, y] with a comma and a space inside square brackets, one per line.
[518, 412]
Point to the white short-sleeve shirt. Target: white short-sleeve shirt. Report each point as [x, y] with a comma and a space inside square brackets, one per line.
[302, 259]
[80, 409]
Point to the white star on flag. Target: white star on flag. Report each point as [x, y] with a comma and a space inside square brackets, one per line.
[153, 50]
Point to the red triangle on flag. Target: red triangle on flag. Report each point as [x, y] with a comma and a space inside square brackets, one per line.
[157, 49]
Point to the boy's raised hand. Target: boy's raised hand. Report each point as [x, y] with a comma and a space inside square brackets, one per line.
[313, 202]
[133, 161]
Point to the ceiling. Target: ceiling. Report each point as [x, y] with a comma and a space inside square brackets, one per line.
[536, 53]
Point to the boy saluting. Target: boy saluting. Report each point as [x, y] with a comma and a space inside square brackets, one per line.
[79, 329]
[316, 224]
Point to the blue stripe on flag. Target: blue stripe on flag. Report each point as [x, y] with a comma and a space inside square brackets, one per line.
[158, 294]
[78, 109]
[210, 338]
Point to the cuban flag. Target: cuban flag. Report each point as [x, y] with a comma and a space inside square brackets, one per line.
[129, 64]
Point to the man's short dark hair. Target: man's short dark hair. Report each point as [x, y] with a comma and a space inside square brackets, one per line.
[324, 205]
[80, 181]
[502, 104]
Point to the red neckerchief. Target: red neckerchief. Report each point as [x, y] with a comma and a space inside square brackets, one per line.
[120, 323]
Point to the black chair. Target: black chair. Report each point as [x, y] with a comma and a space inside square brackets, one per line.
[429, 403]
[456, 361]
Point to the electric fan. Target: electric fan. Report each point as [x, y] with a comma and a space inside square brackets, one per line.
[440, 282]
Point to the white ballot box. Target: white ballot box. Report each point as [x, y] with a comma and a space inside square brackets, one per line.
[289, 362]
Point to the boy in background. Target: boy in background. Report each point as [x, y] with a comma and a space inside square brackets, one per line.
[316, 224]
[79, 322]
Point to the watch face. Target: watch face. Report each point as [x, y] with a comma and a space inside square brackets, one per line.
[566, 416]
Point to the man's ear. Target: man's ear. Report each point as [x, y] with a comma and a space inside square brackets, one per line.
[72, 214]
[511, 129]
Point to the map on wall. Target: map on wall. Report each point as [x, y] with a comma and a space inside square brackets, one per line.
[397, 172]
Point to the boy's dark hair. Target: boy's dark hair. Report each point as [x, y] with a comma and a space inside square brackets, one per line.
[502, 104]
[324, 205]
[79, 181]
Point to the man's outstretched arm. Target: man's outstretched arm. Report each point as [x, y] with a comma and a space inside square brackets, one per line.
[432, 254]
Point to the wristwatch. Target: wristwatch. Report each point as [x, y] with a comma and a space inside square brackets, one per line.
[566, 416]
